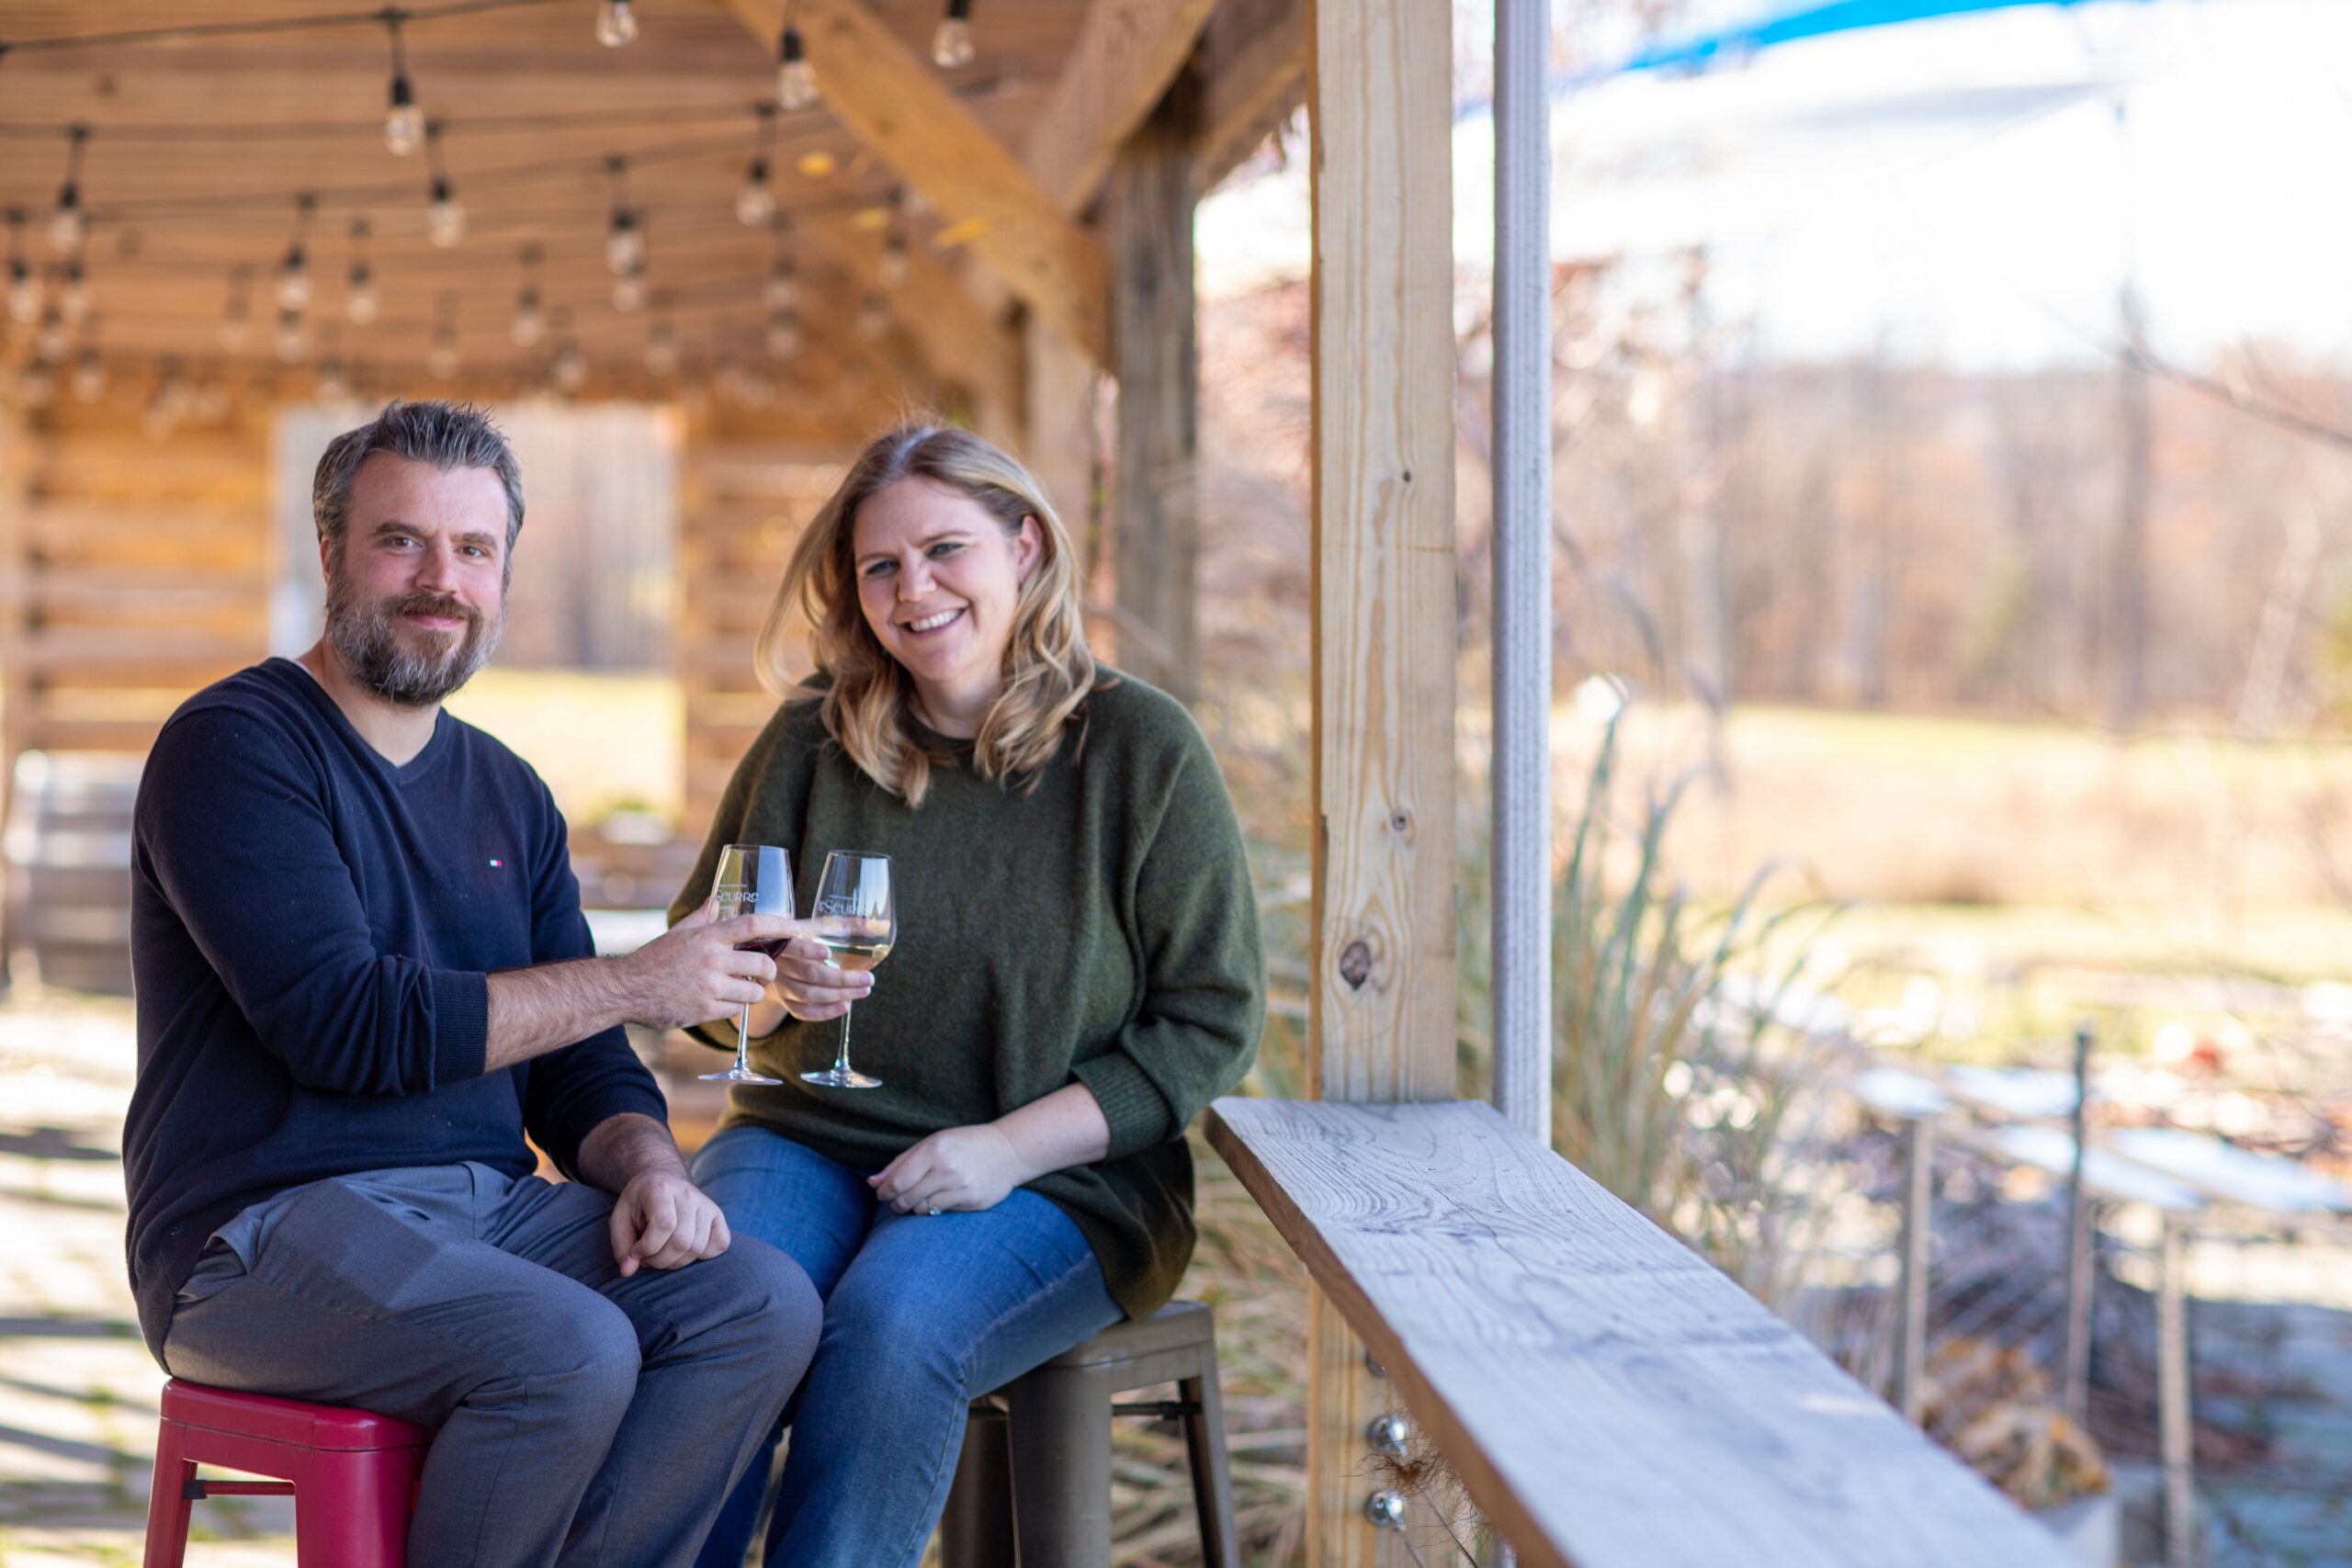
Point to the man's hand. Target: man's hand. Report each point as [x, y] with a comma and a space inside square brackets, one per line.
[958, 1167]
[663, 1220]
[694, 972]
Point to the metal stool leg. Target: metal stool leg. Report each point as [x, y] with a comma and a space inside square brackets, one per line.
[977, 1529]
[167, 1503]
[1060, 1429]
[1212, 1472]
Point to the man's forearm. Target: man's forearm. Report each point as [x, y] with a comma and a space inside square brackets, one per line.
[625, 1147]
[533, 1011]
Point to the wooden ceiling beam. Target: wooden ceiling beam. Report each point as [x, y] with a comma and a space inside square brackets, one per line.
[1126, 54]
[1253, 74]
[962, 340]
[895, 103]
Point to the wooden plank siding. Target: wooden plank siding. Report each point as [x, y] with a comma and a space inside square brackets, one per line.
[1608, 1399]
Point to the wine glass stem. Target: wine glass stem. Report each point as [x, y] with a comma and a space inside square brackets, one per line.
[841, 1058]
[743, 1040]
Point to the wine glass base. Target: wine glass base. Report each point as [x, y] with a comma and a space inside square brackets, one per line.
[842, 1077]
[731, 1075]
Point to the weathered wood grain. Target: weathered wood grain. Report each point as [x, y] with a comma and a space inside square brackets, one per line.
[1125, 54]
[1608, 1399]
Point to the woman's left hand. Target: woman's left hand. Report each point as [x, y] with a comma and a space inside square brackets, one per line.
[960, 1167]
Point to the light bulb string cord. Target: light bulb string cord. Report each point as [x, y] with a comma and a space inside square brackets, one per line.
[379, 16]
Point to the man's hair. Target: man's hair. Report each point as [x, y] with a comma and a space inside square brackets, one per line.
[446, 434]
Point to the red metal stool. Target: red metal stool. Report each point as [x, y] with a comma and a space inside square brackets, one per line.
[352, 1474]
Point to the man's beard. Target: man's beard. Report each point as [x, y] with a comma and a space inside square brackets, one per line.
[367, 636]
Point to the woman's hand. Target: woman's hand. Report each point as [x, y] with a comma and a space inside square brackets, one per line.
[960, 1167]
[811, 988]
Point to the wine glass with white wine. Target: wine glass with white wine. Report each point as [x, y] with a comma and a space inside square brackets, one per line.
[857, 921]
[753, 879]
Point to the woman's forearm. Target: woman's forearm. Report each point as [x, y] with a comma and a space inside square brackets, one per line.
[1064, 1129]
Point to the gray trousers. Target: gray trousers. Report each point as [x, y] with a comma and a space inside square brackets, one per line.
[584, 1419]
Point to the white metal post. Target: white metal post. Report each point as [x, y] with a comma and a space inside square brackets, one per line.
[1521, 846]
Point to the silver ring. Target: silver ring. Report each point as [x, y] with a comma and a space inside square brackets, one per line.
[933, 1208]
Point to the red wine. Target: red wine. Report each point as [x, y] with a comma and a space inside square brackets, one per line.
[772, 946]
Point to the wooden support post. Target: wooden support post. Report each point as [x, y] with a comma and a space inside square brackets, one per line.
[1057, 427]
[1381, 1010]
[1918, 1209]
[2175, 1436]
[1156, 360]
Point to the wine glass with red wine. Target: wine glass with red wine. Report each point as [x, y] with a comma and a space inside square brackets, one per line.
[753, 879]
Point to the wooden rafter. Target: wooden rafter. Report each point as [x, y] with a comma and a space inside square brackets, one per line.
[1253, 73]
[1124, 59]
[958, 337]
[896, 105]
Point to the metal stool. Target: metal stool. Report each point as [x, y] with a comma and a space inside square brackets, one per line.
[352, 1473]
[1035, 1467]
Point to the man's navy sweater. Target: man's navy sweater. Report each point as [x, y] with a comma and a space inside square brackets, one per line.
[313, 932]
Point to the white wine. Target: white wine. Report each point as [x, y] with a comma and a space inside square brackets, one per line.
[854, 943]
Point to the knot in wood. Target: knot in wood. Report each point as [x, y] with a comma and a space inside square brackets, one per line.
[1355, 964]
[1400, 822]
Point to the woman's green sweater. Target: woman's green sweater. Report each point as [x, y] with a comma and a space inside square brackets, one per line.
[1099, 929]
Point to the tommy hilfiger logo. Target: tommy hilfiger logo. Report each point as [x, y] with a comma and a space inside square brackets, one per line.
[497, 864]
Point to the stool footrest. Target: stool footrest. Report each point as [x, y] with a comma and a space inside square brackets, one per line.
[197, 1490]
[1161, 1409]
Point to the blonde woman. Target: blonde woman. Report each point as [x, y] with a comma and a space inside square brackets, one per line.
[1077, 973]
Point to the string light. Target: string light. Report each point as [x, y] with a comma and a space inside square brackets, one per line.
[442, 359]
[236, 323]
[444, 221]
[36, 386]
[404, 118]
[67, 225]
[530, 320]
[294, 272]
[359, 302]
[624, 245]
[74, 296]
[796, 79]
[569, 371]
[53, 343]
[615, 24]
[660, 349]
[90, 370]
[628, 289]
[894, 257]
[782, 291]
[951, 45]
[756, 203]
[293, 341]
[873, 318]
[784, 335]
[24, 285]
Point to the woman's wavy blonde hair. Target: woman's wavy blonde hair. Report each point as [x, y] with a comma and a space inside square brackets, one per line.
[866, 695]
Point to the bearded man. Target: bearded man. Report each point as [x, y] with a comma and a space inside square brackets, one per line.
[362, 978]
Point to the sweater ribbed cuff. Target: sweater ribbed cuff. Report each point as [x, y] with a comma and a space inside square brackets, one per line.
[1137, 1111]
[460, 1025]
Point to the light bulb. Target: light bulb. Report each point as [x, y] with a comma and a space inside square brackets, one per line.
[615, 24]
[74, 297]
[530, 322]
[951, 45]
[360, 304]
[442, 357]
[756, 203]
[796, 79]
[661, 352]
[90, 376]
[293, 281]
[873, 320]
[629, 291]
[292, 342]
[24, 293]
[894, 260]
[755, 390]
[569, 371]
[445, 222]
[237, 327]
[66, 226]
[782, 291]
[404, 121]
[624, 245]
[784, 335]
[36, 386]
[331, 388]
[209, 403]
[51, 345]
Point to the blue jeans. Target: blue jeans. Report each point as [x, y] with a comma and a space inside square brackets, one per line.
[921, 1313]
